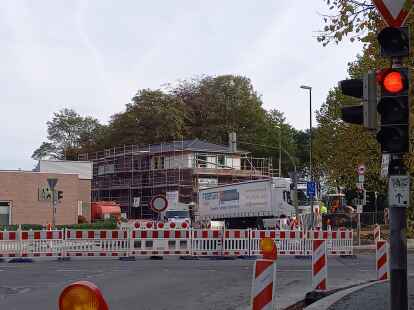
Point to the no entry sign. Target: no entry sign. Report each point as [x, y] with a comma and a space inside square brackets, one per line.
[158, 203]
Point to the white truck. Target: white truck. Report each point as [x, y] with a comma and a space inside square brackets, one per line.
[246, 204]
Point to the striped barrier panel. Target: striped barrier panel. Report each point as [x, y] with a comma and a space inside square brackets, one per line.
[205, 242]
[263, 285]
[41, 243]
[382, 259]
[10, 245]
[338, 242]
[319, 265]
[236, 242]
[161, 242]
[377, 232]
[287, 242]
[97, 243]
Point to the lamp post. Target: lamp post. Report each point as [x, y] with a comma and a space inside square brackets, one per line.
[309, 88]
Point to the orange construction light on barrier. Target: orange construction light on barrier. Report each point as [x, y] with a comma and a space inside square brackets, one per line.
[82, 295]
[268, 248]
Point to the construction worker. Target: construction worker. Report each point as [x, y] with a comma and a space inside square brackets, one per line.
[322, 208]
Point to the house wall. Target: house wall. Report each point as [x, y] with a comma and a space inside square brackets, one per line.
[21, 189]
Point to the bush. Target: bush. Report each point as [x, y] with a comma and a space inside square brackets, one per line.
[82, 219]
[103, 224]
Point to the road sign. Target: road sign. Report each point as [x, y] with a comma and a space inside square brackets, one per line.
[136, 202]
[399, 191]
[361, 178]
[52, 182]
[311, 189]
[359, 209]
[394, 12]
[384, 165]
[158, 203]
[361, 169]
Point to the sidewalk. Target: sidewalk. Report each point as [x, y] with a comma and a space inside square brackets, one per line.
[373, 297]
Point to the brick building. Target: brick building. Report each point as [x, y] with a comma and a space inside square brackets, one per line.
[22, 199]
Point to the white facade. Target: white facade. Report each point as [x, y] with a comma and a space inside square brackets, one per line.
[82, 168]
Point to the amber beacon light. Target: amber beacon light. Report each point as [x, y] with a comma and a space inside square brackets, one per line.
[82, 295]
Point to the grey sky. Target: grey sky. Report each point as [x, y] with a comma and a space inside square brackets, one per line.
[94, 55]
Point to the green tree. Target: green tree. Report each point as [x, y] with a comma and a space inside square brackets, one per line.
[152, 116]
[68, 132]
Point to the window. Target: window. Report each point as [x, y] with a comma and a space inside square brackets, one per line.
[158, 162]
[201, 161]
[221, 161]
[5, 213]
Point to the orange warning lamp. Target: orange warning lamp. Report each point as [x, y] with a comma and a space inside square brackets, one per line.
[82, 295]
[268, 248]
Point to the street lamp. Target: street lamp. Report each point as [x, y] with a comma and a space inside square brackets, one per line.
[310, 142]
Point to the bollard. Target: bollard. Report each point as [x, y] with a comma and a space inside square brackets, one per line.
[382, 260]
[319, 266]
[264, 277]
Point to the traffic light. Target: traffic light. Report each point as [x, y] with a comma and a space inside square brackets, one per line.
[365, 89]
[59, 195]
[394, 82]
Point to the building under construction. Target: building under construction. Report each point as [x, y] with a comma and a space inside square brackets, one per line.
[131, 175]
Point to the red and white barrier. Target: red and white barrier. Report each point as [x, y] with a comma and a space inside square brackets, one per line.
[319, 265]
[382, 260]
[263, 285]
[236, 242]
[377, 232]
[160, 242]
[166, 241]
[205, 242]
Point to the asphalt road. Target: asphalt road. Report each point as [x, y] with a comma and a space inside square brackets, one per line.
[170, 283]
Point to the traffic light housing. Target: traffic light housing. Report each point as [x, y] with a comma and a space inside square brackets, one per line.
[366, 89]
[394, 42]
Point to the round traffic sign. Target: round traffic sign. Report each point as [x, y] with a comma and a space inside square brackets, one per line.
[158, 203]
[361, 169]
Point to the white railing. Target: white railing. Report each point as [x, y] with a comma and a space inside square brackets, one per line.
[183, 242]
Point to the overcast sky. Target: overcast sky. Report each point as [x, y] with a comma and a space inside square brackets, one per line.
[93, 56]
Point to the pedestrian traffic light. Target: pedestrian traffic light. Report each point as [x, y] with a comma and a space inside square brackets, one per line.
[365, 89]
[393, 105]
[59, 195]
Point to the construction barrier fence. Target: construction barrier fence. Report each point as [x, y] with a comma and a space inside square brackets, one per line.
[163, 242]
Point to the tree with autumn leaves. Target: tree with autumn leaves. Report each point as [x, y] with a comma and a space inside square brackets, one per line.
[340, 147]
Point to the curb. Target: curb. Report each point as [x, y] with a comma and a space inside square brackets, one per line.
[326, 302]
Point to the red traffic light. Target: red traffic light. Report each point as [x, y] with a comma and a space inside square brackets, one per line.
[392, 81]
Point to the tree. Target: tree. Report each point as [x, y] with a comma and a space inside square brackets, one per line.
[350, 18]
[152, 116]
[68, 133]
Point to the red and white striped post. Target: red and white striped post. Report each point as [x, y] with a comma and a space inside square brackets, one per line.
[264, 277]
[319, 266]
[377, 233]
[382, 260]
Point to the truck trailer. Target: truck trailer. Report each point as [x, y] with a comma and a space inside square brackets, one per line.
[246, 204]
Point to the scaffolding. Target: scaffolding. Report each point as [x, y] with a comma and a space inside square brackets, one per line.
[124, 174]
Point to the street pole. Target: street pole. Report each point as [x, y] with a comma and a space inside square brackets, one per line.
[280, 150]
[398, 245]
[310, 149]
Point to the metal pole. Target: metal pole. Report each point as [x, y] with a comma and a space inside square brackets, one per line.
[359, 229]
[280, 149]
[398, 259]
[310, 153]
[53, 208]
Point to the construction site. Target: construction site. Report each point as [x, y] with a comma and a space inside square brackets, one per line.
[131, 175]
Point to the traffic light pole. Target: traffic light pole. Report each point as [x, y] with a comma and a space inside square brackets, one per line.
[398, 259]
